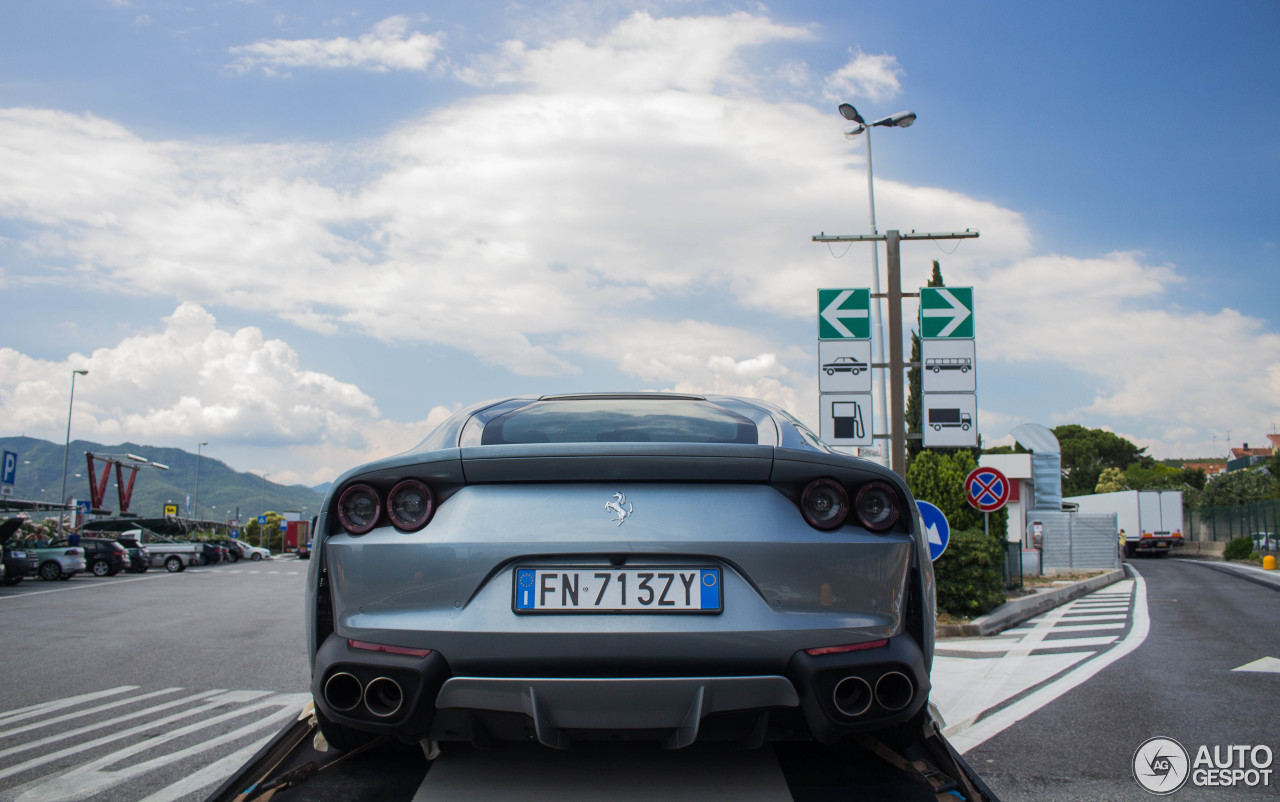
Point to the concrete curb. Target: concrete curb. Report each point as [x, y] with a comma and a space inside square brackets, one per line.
[1201, 549]
[1016, 611]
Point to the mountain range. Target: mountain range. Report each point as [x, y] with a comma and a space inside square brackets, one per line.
[222, 491]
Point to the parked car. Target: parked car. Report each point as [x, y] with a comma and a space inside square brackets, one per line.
[1265, 541]
[653, 566]
[57, 562]
[254, 553]
[232, 545]
[18, 563]
[212, 553]
[303, 551]
[104, 557]
[162, 551]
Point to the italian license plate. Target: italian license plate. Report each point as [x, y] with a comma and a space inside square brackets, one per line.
[617, 590]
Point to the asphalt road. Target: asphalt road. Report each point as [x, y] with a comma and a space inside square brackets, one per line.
[158, 686]
[197, 666]
[1181, 683]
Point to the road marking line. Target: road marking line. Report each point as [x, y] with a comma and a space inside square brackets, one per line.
[1006, 717]
[216, 772]
[86, 712]
[123, 733]
[1268, 665]
[1086, 627]
[22, 713]
[89, 779]
[82, 586]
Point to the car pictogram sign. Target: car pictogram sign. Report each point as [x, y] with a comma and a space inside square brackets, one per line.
[986, 489]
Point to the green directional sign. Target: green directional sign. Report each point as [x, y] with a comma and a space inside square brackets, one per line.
[844, 314]
[946, 313]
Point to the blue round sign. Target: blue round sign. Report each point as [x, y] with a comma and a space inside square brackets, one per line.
[936, 529]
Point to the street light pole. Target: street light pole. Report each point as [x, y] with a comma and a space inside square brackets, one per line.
[66, 451]
[902, 119]
[198, 447]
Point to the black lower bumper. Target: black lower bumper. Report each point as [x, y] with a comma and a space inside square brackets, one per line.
[823, 697]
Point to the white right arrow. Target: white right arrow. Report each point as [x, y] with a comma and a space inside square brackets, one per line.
[958, 312]
[833, 313]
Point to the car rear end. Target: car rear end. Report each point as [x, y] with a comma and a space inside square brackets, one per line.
[562, 591]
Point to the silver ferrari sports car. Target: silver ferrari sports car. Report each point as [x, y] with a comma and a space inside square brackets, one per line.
[619, 566]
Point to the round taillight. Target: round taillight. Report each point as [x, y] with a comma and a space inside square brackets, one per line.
[358, 509]
[825, 504]
[876, 506]
[410, 504]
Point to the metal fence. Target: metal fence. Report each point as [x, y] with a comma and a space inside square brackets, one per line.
[1078, 541]
[1226, 523]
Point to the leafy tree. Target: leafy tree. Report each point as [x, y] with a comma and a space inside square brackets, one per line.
[938, 476]
[1238, 487]
[1149, 477]
[915, 391]
[1112, 480]
[1087, 452]
[271, 536]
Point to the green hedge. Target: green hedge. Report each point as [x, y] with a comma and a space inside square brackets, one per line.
[970, 574]
[1238, 549]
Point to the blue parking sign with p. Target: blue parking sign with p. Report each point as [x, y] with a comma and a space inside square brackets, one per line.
[8, 468]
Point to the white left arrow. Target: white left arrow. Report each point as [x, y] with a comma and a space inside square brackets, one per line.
[958, 313]
[935, 537]
[834, 315]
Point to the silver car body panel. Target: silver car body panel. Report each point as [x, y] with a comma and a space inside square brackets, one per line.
[787, 587]
[449, 586]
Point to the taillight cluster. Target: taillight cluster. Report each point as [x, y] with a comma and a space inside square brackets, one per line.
[825, 505]
[408, 507]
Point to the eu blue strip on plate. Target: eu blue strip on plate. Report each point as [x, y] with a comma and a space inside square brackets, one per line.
[524, 589]
[710, 590]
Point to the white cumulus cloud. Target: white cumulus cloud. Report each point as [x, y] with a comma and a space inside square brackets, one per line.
[391, 45]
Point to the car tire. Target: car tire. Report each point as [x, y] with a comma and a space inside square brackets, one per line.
[342, 737]
[233, 558]
[202, 560]
[174, 564]
[50, 571]
[256, 557]
[101, 568]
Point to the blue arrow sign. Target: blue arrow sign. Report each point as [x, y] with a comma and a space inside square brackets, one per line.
[936, 529]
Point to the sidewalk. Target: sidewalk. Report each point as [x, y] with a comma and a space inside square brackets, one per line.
[1015, 611]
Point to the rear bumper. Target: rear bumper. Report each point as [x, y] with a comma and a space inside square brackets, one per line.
[821, 698]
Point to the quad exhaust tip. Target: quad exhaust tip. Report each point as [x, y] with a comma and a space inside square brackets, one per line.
[894, 690]
[383, 697]
[343, 692]
[853, 695]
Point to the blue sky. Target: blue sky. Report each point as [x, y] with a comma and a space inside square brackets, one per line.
[305, 231]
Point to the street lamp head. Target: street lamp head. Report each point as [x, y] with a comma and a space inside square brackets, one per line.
[81, 372]
[902, 119]
[853, 131]
[850, 113]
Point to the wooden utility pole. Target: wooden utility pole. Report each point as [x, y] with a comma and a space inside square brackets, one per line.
[897, 435]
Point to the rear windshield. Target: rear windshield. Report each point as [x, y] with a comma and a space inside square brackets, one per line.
[620, 420]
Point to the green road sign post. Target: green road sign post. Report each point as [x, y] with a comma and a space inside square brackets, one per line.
[946, 313]
[844, 314]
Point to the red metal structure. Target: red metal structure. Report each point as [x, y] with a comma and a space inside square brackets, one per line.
[98, 487]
